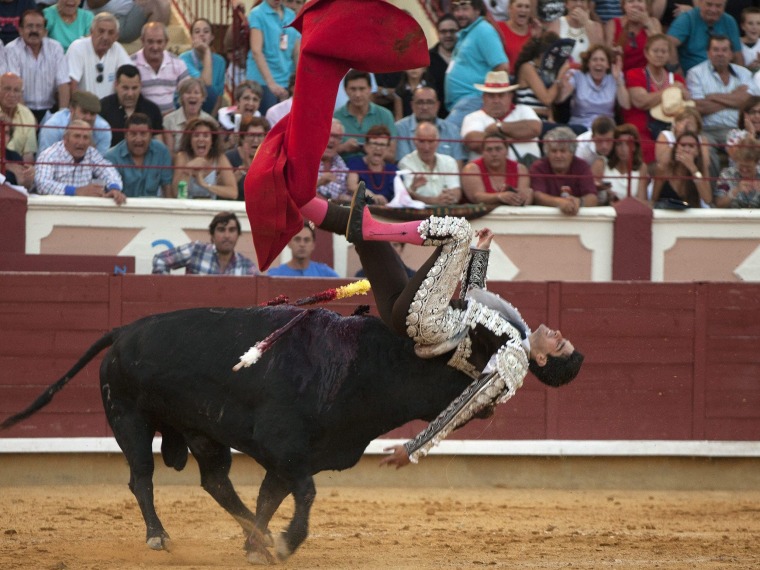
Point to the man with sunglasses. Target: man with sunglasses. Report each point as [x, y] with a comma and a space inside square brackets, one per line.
[93, 61]
[479, 50]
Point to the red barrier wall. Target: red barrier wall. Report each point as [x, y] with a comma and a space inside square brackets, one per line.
[663, 361]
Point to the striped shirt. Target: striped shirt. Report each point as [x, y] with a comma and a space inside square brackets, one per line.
[160, 86]
[57, 172]
[42, 74]
[336, 188]
[200, 258]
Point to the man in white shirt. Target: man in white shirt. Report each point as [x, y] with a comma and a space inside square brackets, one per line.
[499, 116]
[598, 142]
[434, 178]
[93, 61]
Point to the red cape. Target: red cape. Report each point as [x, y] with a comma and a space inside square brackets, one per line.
[337, 35]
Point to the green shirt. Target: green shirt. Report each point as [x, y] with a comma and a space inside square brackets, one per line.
[376, 115]
[66, 33]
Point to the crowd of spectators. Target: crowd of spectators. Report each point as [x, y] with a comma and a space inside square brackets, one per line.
[564, 104]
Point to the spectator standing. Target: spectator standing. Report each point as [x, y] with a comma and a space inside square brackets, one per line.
[10, 16]
[683, 178]
[126, 100]
[73, 167]
[425, 106]
[201, 163]
[373, 168]
[41, 64]
[333, 172]
[277, 112]
[498, 115]
[596, 88]
[201, 61]
[479, 50]
[274, 50]
[560, 179]
[690, 34]
[132, 14]
[93, 61]
[578, 25]
[192, 93]
[144, 163]
[216, 258]
[440, 57]
[720, 88]
[251, 135]
[23, 139]
[517, 30]
[628, 34]
[66, 22]
[84, 106]
[300, 265]
[494, 178]
[434, 177]
[360, 114]
[160, 70]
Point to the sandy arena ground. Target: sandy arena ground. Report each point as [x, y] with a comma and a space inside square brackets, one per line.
[99, 527]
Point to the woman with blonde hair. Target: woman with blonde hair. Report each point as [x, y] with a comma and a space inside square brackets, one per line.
[192, 93]
[688, 120]
[201, 163]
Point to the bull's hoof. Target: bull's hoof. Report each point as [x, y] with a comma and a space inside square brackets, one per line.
[260, 558]
[160, 542]
[281, 548]
[256, 549]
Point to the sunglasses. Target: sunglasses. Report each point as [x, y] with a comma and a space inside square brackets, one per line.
[99, 67]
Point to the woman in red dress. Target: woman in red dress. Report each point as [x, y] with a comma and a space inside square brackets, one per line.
[628, 34]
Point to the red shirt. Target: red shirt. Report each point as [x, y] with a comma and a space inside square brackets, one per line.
[510, 178]
[513, 44]
[633, 48]
[578, 178]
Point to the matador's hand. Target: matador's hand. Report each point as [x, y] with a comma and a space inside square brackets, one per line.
[399, 457]
[484, 238]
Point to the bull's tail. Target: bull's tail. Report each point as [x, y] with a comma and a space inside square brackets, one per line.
[47, 396]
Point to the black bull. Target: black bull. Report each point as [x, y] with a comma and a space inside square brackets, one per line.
[313, 402]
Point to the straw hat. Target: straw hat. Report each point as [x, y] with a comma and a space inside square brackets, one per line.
[671, 105]
[496, 82]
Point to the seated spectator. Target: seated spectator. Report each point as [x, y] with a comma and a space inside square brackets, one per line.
[192, 93]
[739, 186]
[161, 70]
[202, 62]
[624, 171]
[126, 100]
[10, 16]
[596, 143]
[73, 167]
[216, 258]
[720, 88]
[411, 80]
[132, 14]
[691, 31]
[682, 182]
[84, 106]
[750, 25]
[537, 89]
[517, 31]
[425, 106]
[378, 174]
[251, 135]
[93, 60]
[749, 121]
[440, 57]
[17, 173]
[360, 114]
[41, 64]
[201, 163]
[561, 179]
[646, 86]
[333, 172]
[300, 265]
[578, 25]
[494, 178]
[144, 163]
[688, 120]
[596, 88]
[23, 138]
[247, 100]
[434, 177]
[66, 22]
[628, 35]
[498, 115]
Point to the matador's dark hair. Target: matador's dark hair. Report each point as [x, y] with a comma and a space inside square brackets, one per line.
[558, 370]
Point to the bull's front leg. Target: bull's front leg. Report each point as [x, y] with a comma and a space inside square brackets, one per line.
[304, 493]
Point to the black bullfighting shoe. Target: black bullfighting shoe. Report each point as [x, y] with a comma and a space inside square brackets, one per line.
[355, 216]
